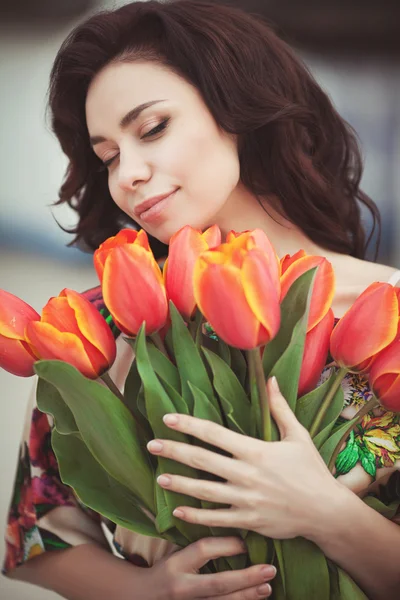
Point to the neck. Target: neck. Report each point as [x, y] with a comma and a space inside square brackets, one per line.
[243, 212]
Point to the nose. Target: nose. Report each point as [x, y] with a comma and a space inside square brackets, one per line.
[133, 169]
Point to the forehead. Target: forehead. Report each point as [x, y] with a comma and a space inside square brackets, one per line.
[119, 87]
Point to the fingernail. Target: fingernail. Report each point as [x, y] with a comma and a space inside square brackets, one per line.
[178, 513]
[164, 480]
[265, 588]
[274, 384]
[154, 446]
[170, 419]
[269, 571]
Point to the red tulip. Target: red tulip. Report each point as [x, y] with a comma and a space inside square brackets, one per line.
[16, 356]
[292, 267]
[315, 353]
[384, 377]
[132, 283]
[71, 329]
[185, 247]
[236, 287]
[368, 327]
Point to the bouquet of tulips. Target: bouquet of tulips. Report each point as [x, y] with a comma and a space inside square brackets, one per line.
[207, 333]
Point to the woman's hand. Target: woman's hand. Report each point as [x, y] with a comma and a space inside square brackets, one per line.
[178, 579]
[278, 489]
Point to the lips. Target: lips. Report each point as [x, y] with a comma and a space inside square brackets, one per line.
[150, 202]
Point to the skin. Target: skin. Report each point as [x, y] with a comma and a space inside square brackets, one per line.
[196, 156]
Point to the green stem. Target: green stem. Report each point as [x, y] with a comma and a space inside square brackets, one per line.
[316, 424]
[257, 376]
[111, 386]
[156, 337]
[370, 405]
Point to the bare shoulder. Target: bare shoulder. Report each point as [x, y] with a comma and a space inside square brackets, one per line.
[353, 276]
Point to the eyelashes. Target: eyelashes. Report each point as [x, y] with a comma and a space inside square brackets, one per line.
[150, 134]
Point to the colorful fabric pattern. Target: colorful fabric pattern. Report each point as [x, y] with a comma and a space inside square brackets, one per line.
[46, 515]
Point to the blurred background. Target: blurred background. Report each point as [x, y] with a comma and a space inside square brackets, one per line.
[351, 46]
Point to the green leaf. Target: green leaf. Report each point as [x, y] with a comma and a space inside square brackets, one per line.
[239, 365]
[188, 359]
[203, 408]
[329, 447]
[164, 367]
[231, 393]
[348, 457]
[177, 400]
[367, 459]
[349, 590]
[293, 309]
[134, 400]
[291, 341]
[158, 404]
[106, 426]
[308, 405]
[50, 401]
[306, 570]
[96, 488]
[387, 510]
[257, 546]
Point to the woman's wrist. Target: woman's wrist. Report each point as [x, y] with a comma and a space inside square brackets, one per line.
[333, 520]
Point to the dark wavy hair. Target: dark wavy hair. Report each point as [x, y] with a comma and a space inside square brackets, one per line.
[293, 146]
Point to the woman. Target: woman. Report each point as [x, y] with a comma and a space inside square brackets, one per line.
[192, 113]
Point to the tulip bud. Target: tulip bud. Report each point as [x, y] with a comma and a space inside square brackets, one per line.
[368, 327]
[384, 377]
[132, 283]
[315, 353]
[185, 246]
[236, 287]
[72, 330]
[16, 355]
[292, 267]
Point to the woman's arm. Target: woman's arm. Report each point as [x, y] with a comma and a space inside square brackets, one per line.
[362, 542]
[87, 572]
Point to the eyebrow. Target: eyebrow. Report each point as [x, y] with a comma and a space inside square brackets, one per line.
[129, 118]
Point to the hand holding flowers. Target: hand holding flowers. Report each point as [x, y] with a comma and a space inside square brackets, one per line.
[243, 317]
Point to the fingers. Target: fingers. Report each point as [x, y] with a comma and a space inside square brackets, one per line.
[196, 555]
[212, 433]
[254, 593]
[283, 415]
[198, 458]
[245, 583]
[224, 493]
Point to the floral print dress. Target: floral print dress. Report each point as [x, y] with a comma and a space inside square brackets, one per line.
[45, 514]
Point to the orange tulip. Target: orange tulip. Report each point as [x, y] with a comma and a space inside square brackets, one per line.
[292, 267]
[368, 327]
[236, 287]
[16, 356]
[185, 246]
[132, 283]
[315, 353]
[384, 377]
[71, 329]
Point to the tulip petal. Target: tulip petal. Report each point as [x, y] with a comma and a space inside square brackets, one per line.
[315, 354]
[133, 290]
[356, 338]
[92, 325]
[14, 315]
[288, 260]
[16, 357]
[260, 290]
[125, 236]
[385, 376]
[49, 343]
[324, 285]
[212, 236]
[220, 296]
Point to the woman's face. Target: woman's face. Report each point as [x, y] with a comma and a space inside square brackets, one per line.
[156, 136]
